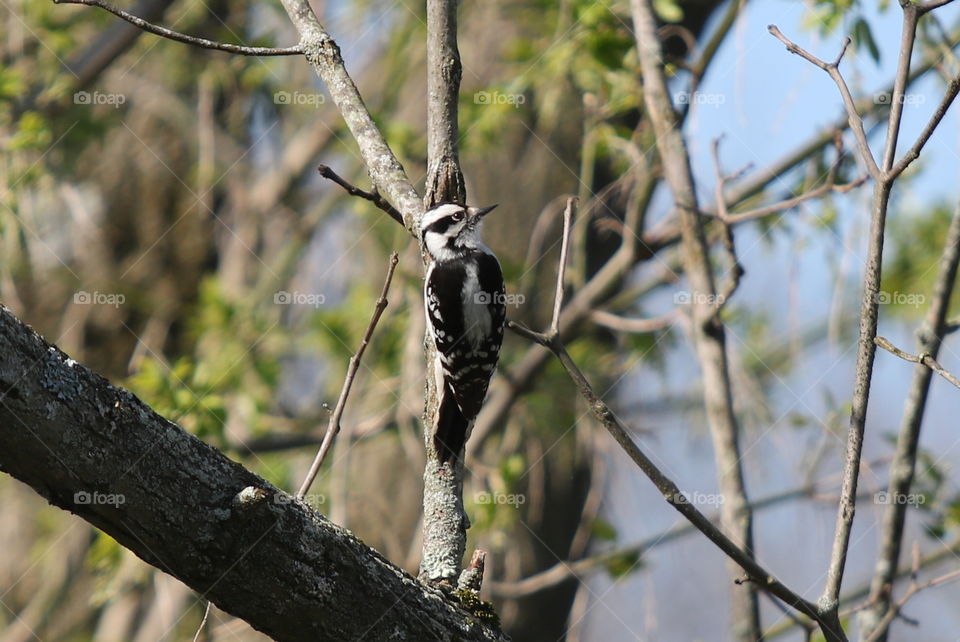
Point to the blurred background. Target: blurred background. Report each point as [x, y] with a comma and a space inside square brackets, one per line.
[163, 222]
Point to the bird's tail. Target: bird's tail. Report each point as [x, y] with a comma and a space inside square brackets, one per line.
[452, 426]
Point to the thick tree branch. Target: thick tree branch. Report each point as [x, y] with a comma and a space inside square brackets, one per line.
[182, 37]
[179, 504]
[333, 426]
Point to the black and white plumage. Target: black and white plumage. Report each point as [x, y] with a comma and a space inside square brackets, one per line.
[464, 301]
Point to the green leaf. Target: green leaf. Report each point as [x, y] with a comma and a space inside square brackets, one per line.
[863, 37]
[668, 10]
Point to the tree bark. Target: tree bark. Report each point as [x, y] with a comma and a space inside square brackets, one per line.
[929, 339]
[182, 506]
[445, 520]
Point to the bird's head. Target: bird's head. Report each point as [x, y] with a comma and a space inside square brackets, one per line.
[449, 227]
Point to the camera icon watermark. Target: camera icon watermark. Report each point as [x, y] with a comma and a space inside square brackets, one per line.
[501, 499]
[498, 98]
[86, 498]
[311, 99]
[99, 298]
[98, 98]
[299, 298]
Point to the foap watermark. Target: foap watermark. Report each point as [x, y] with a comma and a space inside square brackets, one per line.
[498, 98]
[501, 499]
[910, 499]
[86, 498]
[299, 298]
[311, 499]
[696, 498]
[486, 298]
[298, 98]
[886, 98]
[98, 98]
[683, 297]
[99, 298]
[900, 298]
[699, 98]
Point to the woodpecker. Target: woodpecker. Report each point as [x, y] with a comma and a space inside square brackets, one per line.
[464, 302]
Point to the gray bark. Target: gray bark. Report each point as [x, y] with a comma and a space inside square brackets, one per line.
[182, 506]
[445, 520]
[929, 338]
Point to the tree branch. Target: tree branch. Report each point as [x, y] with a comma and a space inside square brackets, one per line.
[179, 504]
[445, 520]
[182, 37]
[373, 196]
[444, 179]
[385, 170]
[923, 359]
[333, 426]
[667, 487]
[853, 116]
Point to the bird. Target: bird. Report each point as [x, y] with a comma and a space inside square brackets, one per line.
[464, 301]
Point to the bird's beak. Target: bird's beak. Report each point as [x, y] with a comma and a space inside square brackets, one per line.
[480, 212]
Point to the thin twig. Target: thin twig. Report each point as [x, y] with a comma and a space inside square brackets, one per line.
[853, 116]
[912, 590]
[333, 426]
[373, 195]
[726, 236]
[562, 269]
[170, 34]
[203, 622]
[790, 203]
[924, 359]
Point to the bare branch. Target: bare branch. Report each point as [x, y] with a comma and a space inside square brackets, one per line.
[333, 426]
[790, 203]
[182, 37]
[639, 326]
[373, 195]
[667, 487]
[562, 269]
[853, 116]
[564, 570]
[385, 170]
[912, 590]
[933, 4]
[923, 358]
[914, 152]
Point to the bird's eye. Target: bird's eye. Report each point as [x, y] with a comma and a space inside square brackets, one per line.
[457, 217]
